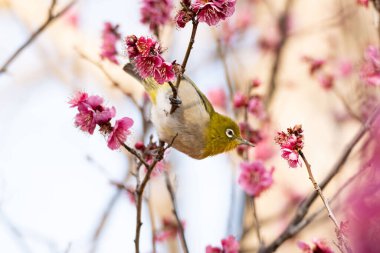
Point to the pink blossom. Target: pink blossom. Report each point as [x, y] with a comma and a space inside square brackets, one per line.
[363, 2]
[183, 17]
[110, 36]
[119, 132]
[210, 249]
[291, 143]
[72, 17]
[229, 245]
[131, 195]
[79, 98]
[240, 100]
[320, 246]
[145, 53]
[146, 66]
[213, 11]
[362, 205]
[91, 112]
[85, 119]
[370, 70]
[254, 178]
[156, 12]
[233, 29]
[164, 73]
[217, 97]
[169, 230]
[326, 81]
[314, 64]
[256, 107]
[269, 41]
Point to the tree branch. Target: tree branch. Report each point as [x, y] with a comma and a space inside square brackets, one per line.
[174, 210]
[35, 34]
[304, 206]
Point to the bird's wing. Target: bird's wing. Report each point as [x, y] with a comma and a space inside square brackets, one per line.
[206, 103]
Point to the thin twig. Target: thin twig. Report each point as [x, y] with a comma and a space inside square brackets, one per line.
[51, 17]
[318, 189]
[282, 25]
[153, 225]
[304, 206]
[174, 210]
[140, 188]
[183, 66]
[257, 223]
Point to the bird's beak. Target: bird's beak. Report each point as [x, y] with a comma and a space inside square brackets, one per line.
[244, 142]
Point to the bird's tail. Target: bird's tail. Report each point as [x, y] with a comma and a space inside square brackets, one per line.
[150, 85]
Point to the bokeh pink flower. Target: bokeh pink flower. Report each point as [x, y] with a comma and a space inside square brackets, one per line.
[254, 178]
[229, 245]
[213, 11]
[110, 36]
[156, 13]
[320, 246]
[370, 70]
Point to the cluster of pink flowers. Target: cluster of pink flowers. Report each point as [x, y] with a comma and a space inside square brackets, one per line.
[156, 12]
[209, 11]
[169, 230]
[323, 73]
[370, 70]
[254, 178]
[110, 37]
[253, 104]
[146, 53]
[320, 246]
[92, 113]
[229, 245]
[291, 143]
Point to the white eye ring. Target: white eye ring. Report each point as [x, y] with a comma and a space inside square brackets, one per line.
[230, 133]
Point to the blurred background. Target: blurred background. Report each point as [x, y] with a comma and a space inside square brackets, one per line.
[56, 183]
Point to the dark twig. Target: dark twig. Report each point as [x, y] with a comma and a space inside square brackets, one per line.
[174, 98]
[174, 210]
[257, 223]
[304, 206]
[51, 17]
[282, 25]
[141, 187]
[318, 190]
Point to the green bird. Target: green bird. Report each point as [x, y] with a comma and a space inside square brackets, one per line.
[200, 130]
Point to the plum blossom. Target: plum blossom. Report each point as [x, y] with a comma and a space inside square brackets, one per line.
[256, 107]
[263, 151]
[363, 2]
[254, 178]
[240, 100]
[145, 53]
[110, 36]
[213, 11]
[217, 97]
[326, 80]
[229, 245]
[156, 12]
[291, 143]
[314, 64]
[170, 229]
[183, 17]
[320, 246]
[119, 132]
[92, 113]
[370, 70]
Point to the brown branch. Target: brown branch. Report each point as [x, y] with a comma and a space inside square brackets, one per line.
[141, 187]
[174, 99]
[318, 190]
[51, 17]
[282, 25]
[304, 206]
[174, 210]
[257, 223]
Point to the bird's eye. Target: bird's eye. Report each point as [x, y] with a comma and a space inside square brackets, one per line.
[230, 133]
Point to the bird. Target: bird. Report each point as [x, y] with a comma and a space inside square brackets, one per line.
[196, 128]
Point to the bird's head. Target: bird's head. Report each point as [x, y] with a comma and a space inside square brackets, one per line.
[222, 135]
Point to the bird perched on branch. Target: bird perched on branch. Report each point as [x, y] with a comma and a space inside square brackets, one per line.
[202, 131]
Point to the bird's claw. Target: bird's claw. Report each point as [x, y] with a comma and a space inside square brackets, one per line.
[175, 100]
